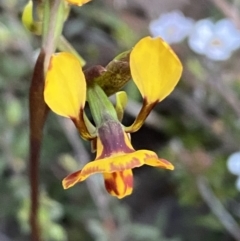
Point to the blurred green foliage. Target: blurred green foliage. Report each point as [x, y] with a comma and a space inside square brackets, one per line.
[196, 128]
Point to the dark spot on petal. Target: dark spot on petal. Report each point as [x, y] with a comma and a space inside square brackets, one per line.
[110, 184]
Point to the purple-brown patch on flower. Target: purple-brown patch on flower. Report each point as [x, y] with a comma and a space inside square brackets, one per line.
[113, 139]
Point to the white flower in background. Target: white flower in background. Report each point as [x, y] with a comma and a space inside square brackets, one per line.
[173, 27]
[233, 163]
[216, 41]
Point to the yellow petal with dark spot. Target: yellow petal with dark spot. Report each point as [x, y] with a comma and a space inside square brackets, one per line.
[155, 68]
[119, 184]
[65, 86]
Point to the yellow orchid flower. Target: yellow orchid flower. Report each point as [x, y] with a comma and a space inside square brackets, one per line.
[155, 70]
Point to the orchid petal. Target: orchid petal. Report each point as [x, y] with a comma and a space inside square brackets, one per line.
[121, 103]
[157, 162]
[118, 162]
[65, 87]
[155, 68]
[71, 179]
[28, 21]
[77, 2]
[119, 184]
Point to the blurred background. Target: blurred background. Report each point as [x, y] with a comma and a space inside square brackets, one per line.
[196, 128]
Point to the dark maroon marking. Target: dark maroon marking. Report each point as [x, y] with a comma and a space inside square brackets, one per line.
[111, 135]
[110, 184]
[127, 180]
[70, 177]
[93, 72]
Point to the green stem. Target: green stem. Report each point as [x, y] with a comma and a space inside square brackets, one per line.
[53, 20]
